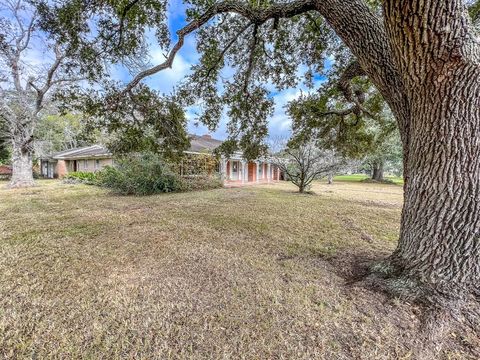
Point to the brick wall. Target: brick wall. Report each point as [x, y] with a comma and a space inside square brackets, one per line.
[61, 169]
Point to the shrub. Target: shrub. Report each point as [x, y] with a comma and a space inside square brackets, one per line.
[384, 181]
[143, 174]
[201, 182]
[84, 177]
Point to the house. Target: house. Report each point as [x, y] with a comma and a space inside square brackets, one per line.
[5, 171]
[234, 170]
[88, 158]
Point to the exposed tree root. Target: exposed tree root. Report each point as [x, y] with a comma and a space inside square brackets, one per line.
[21, 184]
[444, 309]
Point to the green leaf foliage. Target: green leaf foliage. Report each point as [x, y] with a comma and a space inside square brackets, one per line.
[85, 177]
[325, 116]
[144, 121]
[142, 174]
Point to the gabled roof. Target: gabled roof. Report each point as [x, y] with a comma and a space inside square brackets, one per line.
[198, 144]
[83, 152]
[204, 143]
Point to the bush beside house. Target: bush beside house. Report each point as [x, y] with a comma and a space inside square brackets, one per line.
[85, 177]
[144, 174]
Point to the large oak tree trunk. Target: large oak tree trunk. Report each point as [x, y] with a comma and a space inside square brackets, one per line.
[440, 228]
[439, 60]
[22, 167]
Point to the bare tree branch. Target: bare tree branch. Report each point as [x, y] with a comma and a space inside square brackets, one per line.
[306, 162]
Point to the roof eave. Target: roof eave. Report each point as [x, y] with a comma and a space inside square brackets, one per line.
[80, 157]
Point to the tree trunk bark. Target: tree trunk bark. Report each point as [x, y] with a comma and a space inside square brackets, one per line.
[440, 227]
[301, 188]
[438, 57]
[22, 167]
[330, 179]
[377, 170]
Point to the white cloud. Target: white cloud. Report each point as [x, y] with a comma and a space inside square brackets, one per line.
[167, 79]
[280, 123]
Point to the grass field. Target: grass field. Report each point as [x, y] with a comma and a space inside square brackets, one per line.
[247, 273]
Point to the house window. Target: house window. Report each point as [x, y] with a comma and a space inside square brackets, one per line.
[97, 164]
[85, 164]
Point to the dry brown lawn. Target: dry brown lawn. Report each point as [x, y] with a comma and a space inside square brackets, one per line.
[251, 273]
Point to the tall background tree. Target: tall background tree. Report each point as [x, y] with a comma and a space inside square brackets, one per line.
[386, 156]
[58, 132]
[48, 54]
[422, 56]
[4, 143]
[29, 73]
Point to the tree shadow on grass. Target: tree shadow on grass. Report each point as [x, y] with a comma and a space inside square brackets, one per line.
[411, 327]
[437, 333]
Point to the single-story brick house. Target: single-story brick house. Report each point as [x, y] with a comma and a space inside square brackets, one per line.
[88, 158]
[234, 170]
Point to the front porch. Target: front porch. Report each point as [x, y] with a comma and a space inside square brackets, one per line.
[237, 172]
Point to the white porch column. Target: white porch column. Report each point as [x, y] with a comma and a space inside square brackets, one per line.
[268, 172]
[231, 170]
[244, 172]
[223, 168]
[258, 171]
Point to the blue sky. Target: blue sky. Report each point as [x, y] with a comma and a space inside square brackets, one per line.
[165, 81]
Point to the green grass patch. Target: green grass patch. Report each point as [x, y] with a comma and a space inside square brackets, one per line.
[362, 177]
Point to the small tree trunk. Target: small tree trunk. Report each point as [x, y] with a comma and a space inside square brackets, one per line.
[301, 188]
[377, 170]
[22, 167]
[330, 179]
